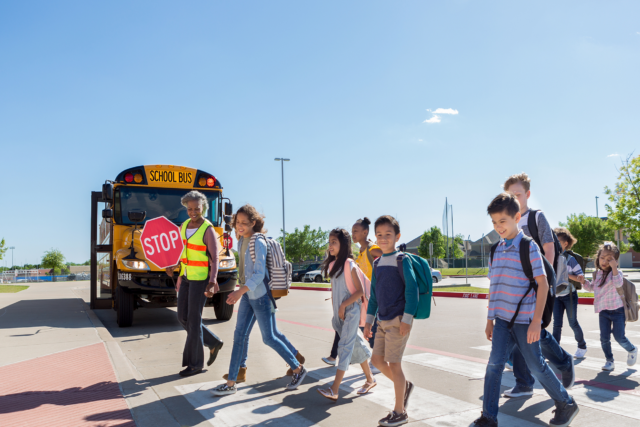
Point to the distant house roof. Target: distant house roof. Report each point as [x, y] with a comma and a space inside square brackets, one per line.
[476, 247]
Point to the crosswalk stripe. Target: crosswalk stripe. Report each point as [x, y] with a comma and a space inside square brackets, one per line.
[468, 417]
[570, 342]
[602, 399]
[628, 334]
[246, 407]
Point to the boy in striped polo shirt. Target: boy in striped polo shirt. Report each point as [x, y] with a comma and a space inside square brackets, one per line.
[509, 285]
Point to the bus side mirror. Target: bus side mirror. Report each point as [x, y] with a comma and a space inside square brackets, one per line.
[228, 228]
[107, 213]
[107, 192]
[228, 209]
[228, 219]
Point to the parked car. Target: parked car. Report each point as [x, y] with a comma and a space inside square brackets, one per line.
[298, 273]
[313, 276]
[436, 275]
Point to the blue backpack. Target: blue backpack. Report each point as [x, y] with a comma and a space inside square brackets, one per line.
[422, 272]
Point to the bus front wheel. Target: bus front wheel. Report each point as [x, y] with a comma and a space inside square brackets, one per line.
[125, 307]
[222, 310]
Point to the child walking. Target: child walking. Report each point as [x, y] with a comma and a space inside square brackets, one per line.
[567, 295]
[395, 302]
[515, 314]
[609, 305]
[369, 251]
[347, 294]
[256, 302]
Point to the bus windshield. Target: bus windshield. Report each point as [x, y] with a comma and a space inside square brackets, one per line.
[158, 202]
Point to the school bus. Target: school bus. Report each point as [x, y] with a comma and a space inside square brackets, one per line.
[121, 277]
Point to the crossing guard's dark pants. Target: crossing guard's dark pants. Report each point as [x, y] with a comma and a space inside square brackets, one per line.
[191, 300]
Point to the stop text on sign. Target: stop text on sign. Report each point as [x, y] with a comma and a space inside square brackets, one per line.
[161, 240]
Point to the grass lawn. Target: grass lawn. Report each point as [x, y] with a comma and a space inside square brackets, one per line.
[461, 271]
[311, 285]
[463, 289]
[11, 289]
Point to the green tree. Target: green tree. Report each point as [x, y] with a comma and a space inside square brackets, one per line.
[590, 233]
[455, 247]
[305, 244]
[3, 248]
[625, 215]
[434, 235]
[54, 259]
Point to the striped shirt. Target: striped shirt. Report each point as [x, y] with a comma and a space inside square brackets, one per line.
[605, 297]
[509, 283]
[573, 269]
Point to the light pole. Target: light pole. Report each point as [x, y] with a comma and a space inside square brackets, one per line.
[284, 234]
[12, 248]
[597, 216]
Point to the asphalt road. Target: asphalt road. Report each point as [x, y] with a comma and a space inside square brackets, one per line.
[445, 359]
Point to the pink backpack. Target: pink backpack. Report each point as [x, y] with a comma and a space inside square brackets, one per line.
[366, 284]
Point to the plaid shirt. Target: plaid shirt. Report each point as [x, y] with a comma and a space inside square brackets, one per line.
[605, 297]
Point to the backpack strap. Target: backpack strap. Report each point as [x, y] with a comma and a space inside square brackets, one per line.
[399, 260]
[525, 259]
[493, 250]
[532, 224]
[369, 256]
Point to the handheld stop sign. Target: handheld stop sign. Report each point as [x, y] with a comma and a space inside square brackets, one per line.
[161, 242]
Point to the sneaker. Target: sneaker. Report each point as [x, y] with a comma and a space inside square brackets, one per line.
[329, 361]
[609, 366]
[407, 394]
[484, 422]
[518, 391]
[509, 365]
[564, 414]
[223, 390]
[632, 358]
[394, 419]
[296, 379]
[580, 353]
[569, 377]
[374, 370]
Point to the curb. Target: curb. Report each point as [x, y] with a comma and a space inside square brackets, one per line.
[145, 405]
[470, 295]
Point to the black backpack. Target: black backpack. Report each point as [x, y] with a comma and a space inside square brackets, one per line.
[583, 265]
[533, 229]
[528, 271]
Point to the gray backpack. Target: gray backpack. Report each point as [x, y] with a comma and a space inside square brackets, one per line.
[629, 297]
[562, 276]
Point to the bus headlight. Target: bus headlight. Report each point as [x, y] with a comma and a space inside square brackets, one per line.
[135, 265]
[228, 263]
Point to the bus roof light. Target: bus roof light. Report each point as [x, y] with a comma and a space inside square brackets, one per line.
[202, 181]
[138, 178]
[128, 177]
[211, 181]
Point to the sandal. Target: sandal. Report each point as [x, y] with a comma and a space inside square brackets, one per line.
[328, 393]
[367, 387]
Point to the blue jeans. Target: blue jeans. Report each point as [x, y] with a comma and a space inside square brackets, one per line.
[615, 318]
[259, 309]
[191, 300]
[551, 351]
[503, 342]
[243, 363]
[562, 303]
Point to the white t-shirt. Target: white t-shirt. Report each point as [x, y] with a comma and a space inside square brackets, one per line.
[190, 232]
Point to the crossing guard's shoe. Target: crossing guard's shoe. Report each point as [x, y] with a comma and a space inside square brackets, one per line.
[564, 414]
[484, 422]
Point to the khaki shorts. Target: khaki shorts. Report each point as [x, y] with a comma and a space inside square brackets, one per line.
[389, 343]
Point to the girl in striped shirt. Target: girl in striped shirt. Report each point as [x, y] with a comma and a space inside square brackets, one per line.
[608, 303]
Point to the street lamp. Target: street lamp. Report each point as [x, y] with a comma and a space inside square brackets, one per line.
[284, 234]
[12, 248]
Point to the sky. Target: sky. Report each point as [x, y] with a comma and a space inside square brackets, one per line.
[383, 107]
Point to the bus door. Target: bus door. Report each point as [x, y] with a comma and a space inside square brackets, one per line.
[101, 253]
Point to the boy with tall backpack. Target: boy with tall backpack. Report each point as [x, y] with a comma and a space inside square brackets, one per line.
[569, 273]
[535, 225]
[401, 291]
[517, 312]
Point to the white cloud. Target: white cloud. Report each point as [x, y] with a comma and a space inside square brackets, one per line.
[445, 111]
[434, 119]
[613, 155]
[419, 140]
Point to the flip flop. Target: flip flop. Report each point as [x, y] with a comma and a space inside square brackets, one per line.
[328, 393]
[366, 387]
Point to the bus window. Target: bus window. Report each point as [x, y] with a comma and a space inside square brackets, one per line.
[159, 202]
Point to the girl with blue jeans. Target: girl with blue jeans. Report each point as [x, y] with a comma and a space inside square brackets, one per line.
[256, 302]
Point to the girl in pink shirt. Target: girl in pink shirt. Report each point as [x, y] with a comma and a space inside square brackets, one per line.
[608, 303]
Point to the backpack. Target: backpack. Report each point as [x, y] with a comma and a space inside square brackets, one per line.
[422, 272]
[562, 274]
[547, 314]
[366, 284]
[583, 265]
[532, 223]
[280, 270]
[629, 297]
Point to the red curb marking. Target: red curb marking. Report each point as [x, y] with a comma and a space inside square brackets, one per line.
[471, 295]
[611, 387]
[305, 288]
[72, 388]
